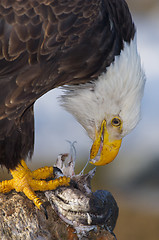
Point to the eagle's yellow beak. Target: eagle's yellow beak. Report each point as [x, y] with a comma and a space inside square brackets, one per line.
[107, 150]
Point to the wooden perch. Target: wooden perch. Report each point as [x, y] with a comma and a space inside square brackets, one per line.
[85, 214]
[21, 220]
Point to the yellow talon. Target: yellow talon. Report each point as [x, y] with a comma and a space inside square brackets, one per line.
[43, 173]
[27, 182]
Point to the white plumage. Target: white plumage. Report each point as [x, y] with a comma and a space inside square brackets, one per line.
[117, 92]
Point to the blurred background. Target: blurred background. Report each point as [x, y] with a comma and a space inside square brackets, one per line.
[133, 177]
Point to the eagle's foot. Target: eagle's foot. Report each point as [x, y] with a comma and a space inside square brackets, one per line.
[27, 182]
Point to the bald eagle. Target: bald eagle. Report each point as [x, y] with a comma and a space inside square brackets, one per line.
[86, 46]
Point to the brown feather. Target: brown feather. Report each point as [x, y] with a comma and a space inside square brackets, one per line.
[48, 43]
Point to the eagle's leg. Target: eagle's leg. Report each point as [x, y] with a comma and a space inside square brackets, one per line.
[27, 182]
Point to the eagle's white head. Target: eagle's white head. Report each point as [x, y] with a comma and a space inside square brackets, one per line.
[109, 107]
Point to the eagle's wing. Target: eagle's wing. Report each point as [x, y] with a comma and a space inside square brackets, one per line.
[33, 36]
[49, 43]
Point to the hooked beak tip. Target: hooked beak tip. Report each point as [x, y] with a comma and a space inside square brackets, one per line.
[107, 154]
[104, 151]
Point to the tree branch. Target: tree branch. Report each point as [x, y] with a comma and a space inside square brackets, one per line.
[85, 214]
[21, 220]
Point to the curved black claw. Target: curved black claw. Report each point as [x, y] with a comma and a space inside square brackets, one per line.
[57, 172]
[42, 207]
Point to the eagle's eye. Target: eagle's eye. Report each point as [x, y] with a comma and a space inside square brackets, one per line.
[116, 122]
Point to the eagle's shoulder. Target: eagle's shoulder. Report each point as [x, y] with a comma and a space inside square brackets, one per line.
[121, 17]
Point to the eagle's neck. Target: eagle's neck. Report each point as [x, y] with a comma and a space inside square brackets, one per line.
[118, 91]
